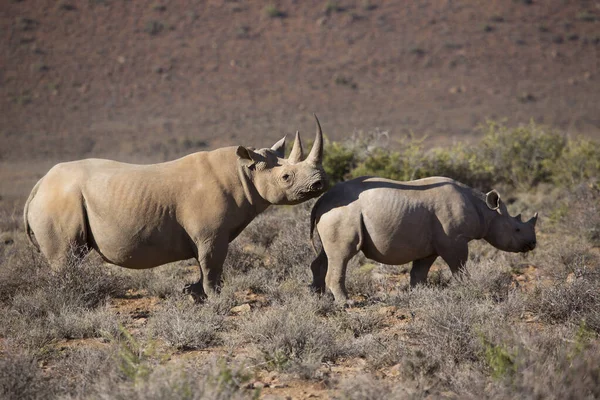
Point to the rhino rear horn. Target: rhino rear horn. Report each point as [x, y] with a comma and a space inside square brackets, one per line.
[533, 219]
[315, 156]
[492, 199]
[297, 152]
[279, 148]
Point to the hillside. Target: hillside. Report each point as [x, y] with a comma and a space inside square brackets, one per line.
[148, 80]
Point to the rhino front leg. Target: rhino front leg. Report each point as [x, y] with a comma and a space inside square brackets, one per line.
[319, 271]
[455, 255]
[211, 257]
[420, 269]
[196, 290]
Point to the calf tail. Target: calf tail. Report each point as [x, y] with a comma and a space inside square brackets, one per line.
[25, 213]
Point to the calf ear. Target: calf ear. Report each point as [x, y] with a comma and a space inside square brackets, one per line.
[279, 148]
[246, 156]
[492, 199]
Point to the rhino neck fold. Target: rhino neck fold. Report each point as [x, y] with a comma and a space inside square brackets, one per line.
[253, 198]
[485, 216]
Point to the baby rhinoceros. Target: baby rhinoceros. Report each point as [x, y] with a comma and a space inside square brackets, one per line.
[397, 222]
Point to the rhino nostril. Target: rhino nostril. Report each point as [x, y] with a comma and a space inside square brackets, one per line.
[318, 185]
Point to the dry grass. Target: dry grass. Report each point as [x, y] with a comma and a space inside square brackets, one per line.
[511, 326]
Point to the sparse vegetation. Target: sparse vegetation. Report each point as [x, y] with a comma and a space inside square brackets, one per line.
[272, 11]
[154, 27]
[586, 16]
[510, 326]
[333, 6]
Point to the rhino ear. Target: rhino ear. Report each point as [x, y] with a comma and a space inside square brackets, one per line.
[279, 148]
[246, 156]
[492, 199]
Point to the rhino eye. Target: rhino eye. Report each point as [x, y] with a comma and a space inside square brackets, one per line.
[285, 177]
[518, 229]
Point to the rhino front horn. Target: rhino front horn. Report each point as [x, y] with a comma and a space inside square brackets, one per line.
[316, 153]
[533, 219]
[297, 152]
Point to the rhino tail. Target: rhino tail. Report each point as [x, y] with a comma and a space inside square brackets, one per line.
[361, 233]
[26, 212]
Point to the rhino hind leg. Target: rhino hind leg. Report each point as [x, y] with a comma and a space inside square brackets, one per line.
[420, 270]
[319, 272]
[61, 236]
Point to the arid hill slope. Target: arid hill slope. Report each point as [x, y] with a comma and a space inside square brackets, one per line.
[152, 79]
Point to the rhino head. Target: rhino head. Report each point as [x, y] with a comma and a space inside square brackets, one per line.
[286, 181]
[509, 233]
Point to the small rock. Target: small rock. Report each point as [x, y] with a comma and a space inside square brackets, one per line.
[278, 385]
[387, 311]
[259, 385]
[241, 309]
[121, 60]
[449, 395]
[457, 89]
[395, 370]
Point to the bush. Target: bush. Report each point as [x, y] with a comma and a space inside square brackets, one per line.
[293, 336]
[20, 378]
[69, 303]
[185, 325]
[521, 157]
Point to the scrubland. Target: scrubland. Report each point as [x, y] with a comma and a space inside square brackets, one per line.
[513, 326]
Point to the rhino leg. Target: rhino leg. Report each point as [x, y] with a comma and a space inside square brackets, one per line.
[420, 269]
[211, 257]
[319, 271]
[455, 254]
[61, 235]
[196, 290]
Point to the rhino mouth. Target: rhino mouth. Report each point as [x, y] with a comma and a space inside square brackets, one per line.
[528, 247]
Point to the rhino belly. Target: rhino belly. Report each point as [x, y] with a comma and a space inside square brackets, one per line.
[396, 243]
[141, 247]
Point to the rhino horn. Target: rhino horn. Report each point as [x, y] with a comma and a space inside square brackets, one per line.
[279, 148]
[533, 219]
[315, 156]
[297, 153]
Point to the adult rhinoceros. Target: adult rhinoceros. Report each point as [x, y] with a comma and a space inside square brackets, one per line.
[398, 222]
[142, 216]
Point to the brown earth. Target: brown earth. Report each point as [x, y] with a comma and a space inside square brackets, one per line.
[148, 80]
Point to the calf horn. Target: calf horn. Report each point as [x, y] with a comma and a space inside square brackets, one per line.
[316, 153]
[297, 153]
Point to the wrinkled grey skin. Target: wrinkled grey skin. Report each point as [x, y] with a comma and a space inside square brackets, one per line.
[397, 222]
[142, 216]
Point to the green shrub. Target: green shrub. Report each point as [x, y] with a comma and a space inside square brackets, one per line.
[338, 161]
[579, 162]
[521, 157]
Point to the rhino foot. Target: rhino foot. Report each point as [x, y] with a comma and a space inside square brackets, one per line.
[196, 291]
